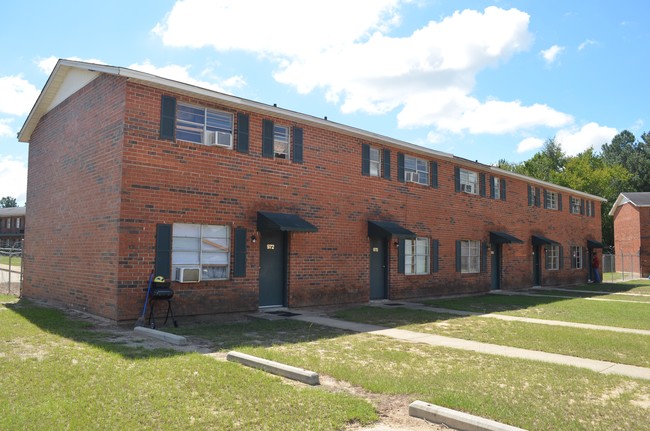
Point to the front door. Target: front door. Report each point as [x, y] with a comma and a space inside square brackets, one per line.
[272, 268]
[378, 268]
[537, 265]
[496, 266]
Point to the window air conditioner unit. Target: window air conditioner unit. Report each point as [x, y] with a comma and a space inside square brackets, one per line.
[412, 177]
[187, 275]
[221, 139]
[467, 188]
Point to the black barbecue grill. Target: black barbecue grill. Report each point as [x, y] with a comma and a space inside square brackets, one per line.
[160, 291]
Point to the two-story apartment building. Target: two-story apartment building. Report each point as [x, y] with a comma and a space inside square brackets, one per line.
[245, 205]
[12, 226]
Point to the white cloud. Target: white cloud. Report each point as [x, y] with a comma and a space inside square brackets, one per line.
[13, 178]
[182, 74]
[585, 44]
[5, 128]
[575, 141]
[18, 95]
[47, 64]
[550, 55]
[529, 144]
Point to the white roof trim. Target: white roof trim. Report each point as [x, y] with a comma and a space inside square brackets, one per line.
[57, 89]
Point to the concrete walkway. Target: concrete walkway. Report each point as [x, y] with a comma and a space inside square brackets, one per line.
[603, 367]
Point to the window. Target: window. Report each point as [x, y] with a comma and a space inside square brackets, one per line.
[553, 257]
[8, 223]
[416, 170]
[470, 256]
[375, 162]
[17, 223]
[468, 181]
[575, 205]
[576, 257]
[203, 126]
[206, 247]
[416, 256]
[551, 200]
[590, 209]
[281, 142]
[496, 188]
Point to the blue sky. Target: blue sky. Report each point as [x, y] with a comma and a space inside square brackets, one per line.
[484, 80]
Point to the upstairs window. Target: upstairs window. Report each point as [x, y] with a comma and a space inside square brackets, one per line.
[203, 126]
[468, 181]
[416, 170]
[551, 200]
[496, 188]
[375, 162]
[575, 205]
[281, 142]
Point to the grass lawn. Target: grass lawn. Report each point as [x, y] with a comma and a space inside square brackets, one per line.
[15, 261]
[621, 314]
[613, 296]
[621, 348]
[56, 373]
[634, 286]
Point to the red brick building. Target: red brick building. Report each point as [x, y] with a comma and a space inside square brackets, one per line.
[631, 213]
[245, 205]
[12, 226]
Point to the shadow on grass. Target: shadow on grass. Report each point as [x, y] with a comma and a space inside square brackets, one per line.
[212, 336]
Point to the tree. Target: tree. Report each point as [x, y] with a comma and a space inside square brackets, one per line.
[634, 155]
[8, 202]
[547, 164]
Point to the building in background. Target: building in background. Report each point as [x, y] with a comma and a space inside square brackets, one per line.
[244, 205]
[12, 226]
[631, 213]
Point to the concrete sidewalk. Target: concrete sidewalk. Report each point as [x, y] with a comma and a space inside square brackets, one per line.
[603, 367]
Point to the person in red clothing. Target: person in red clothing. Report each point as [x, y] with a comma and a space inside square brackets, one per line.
[595, 265]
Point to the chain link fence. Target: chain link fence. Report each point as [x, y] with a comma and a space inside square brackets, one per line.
[11, 269]
[621, 267]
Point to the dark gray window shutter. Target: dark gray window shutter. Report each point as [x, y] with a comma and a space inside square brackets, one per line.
[435, 246]
[593, 209]
[434, 174]
[457, 179]
[545, 199]
[503, 189]
[582, 206]
[297, 144]
[400, 256]
[492, 191]
[239, 263]
[242, 132]
[559, 201]
[400, 167]
[482, 184]
[561, 257]
[484, 255]
[365, 159]
[168, 117]
[538, 196]
[459, 265]
[386, 160]
[163, 260]
[267, 138]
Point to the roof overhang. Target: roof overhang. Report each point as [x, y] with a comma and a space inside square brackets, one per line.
[283, 222]
[388, 229]
[594, 244]
[504, 238]
[542, 240]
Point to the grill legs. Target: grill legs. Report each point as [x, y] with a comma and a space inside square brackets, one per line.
[170, 311]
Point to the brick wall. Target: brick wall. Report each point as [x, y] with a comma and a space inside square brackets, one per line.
[644, 229]
[146, 181]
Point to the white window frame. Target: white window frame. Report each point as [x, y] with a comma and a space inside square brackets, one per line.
[496, 186]
[416, 256]
[575, 205]
[468, 181]
[195, 123]
[551, 200]
[577, 260]
[206, 247]
[470, 256]
[281, 141]
[375, 162]
[8, 223]
[418, 169]
[17, 223]
[588, 210]
[552, 257]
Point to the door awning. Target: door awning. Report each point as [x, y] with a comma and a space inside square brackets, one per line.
[541, 240]
[504, 238]
[388, 229]
[594, 244]
[283, 222]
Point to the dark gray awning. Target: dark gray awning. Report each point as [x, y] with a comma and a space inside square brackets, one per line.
[283, 222]
[387, 229]
[594, 244]
[541, 240]
[503, 238]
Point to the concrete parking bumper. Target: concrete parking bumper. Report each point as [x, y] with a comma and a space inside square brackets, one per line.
[294, 373]
[455, 419]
